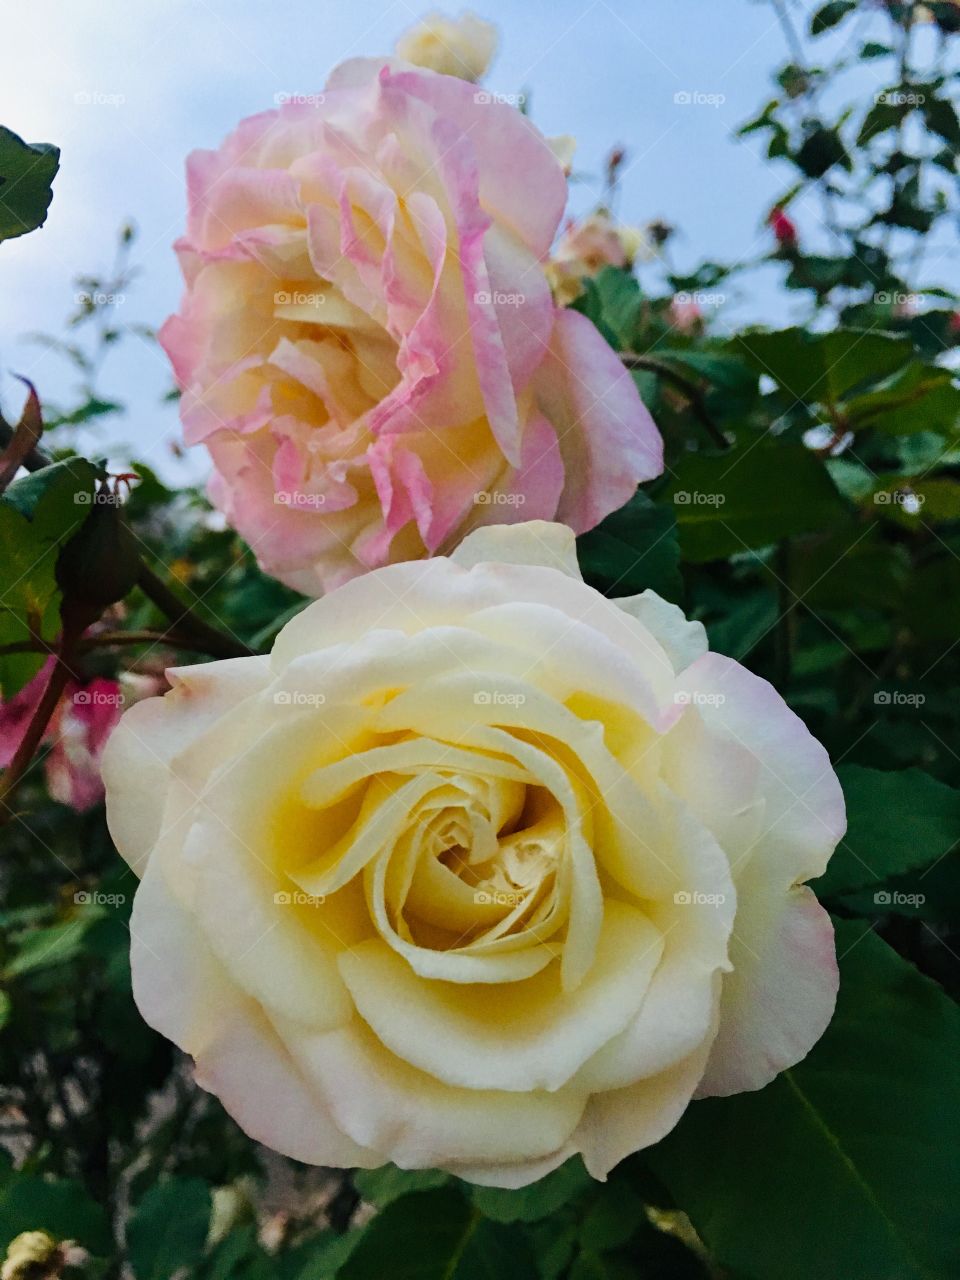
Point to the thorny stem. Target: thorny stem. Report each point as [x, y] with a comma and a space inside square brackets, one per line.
[690, 389]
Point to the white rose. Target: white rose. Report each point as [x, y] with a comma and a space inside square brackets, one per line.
[477, 870]
[461, 46]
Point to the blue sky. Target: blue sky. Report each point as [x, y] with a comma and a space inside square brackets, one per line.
[127, 90]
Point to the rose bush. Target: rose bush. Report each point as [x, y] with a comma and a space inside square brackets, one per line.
[477, 870]
[368, 345]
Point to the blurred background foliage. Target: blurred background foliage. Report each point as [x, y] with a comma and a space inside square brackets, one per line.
[809, 515]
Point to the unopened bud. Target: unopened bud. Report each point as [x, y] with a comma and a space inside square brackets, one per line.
[100, 563]
[27, 1253]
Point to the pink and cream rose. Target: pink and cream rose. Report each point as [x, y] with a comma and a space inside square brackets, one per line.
[477, 870]
[368, 345]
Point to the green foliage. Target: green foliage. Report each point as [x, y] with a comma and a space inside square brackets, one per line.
[809, 516]
[749, 497]
[62, 1208]
[168, 1228]
[896, 822]
[38, 516]
[26, 174]
[828, 1142]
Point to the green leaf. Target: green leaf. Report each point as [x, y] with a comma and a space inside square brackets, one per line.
[883, 115]
[38, 514]
[821, 150]
[64, 1209]
[917, 504]
[529, 1204]
[872, 49]
[416, 1237]
[919, 397]
[845, 1165]
[633, 549]
[824, 368]
[749, 498]
[168, 1228]
[830, 15]
[44, 948]
[749, 619]
[612, 300]
[941, 117]
[437, 1235]
[896, 822]
[382, 1186]
[26, 174]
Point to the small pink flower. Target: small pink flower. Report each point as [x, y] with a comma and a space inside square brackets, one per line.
[783, 228]
[76, 734]
[368, 345]
[685, 315]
